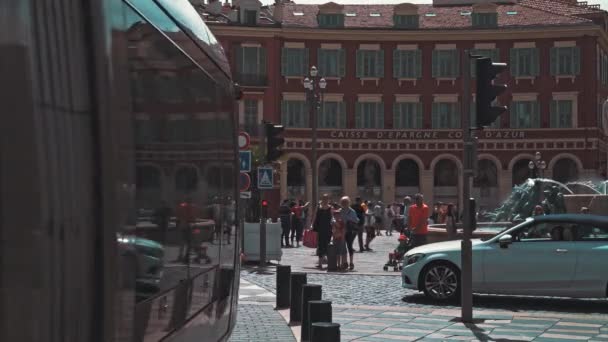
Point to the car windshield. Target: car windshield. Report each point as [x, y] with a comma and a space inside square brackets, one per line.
[517, 224]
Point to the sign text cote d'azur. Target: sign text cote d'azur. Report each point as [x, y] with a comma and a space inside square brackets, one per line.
[421, 135]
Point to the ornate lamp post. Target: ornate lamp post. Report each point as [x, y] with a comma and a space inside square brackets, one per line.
[314, 96]
[537, 166]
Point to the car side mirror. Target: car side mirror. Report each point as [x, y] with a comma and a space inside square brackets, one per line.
[505, 241]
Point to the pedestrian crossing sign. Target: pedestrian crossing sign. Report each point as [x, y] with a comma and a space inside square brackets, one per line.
[265, 178]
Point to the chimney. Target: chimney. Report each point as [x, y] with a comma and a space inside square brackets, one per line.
[277, 12]
[214, 7]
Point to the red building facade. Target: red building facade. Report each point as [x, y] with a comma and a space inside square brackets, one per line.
[392, 123]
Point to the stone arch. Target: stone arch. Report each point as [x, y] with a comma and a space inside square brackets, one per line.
[518, 158]
[575, 159]
[300, 156]
[491, 157]
[149, 197]
[335, 156]
[371, 156]
[154, 166]
[446, 156]
[179, 168]
[407, 156]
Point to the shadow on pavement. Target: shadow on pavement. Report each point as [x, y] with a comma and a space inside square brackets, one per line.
[516, 303]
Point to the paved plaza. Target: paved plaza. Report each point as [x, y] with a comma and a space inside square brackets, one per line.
[370, 305]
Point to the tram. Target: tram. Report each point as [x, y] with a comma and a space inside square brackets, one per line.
[118, 174]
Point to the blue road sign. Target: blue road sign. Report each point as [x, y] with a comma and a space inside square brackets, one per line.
[245, 161]
[265, 178]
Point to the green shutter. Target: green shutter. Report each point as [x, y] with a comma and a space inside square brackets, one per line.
[380, 115]
[262, 61]
[341, 63]
[321, 62]
[360, 63]
[455, 116]
[380, 65]
[435, 116]
[304, 67]
[358, 113]
[456, 66]
[419, 115]
[554, 115]
[435, 63]
[554, 61]
[418, 63]
[534, 68]
[397, 72]
[284, 61]
[238, 58]
[576, 60]
[535, 116]
[284, 113]
[495, 55]
[341, 115]
[397, 115]
[513, 61]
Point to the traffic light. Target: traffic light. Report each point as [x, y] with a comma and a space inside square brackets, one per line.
[264, 209]
[274, 141]
[487, 91]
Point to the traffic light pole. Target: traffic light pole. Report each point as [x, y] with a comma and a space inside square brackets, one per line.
[263, 218]
[469, 157]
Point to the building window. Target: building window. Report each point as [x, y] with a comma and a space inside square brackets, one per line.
[294, 62]
[525, 114]
[332, 63]
[332, 115]
[561, 114]
[406, 21]
[485, 20]
[250, 116]
[251, 65]
[331, 20]
[446, 115]
[565, 61]
[184, 130]
[251, 17]
[294, 114]
[407, 63]
[524, 62]
[369, 115]
[370, 63]
[491, 53]
[445, 63]
[407, 115]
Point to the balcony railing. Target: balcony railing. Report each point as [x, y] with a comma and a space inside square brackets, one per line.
[252, 80]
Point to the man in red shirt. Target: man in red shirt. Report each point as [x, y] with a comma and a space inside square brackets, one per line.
[418, 216]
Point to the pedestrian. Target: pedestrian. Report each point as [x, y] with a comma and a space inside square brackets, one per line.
[378, 217]
[162, 216]
[390, 214]
[450, 222]
[538, 211]
[418, 221]
[370, 230]
[407, 202]
[230, 213]
[285, 218]
[350, 219]
[297, 208]
[322, 224]
[339, 239]
[358, 207]
[585, 210]
[186, 214]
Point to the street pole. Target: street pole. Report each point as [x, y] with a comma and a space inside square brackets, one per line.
[263, 219]
[313, 110]
[469, 157]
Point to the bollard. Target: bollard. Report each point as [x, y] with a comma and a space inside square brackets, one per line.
[332, 258]
[309, 292]
[318, 311]
[283, 279]
[295, 311]
[325, 332]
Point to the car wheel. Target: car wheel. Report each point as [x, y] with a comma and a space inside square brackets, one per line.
[441, 281]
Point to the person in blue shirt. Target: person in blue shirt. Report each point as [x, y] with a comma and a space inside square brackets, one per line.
[349, 217]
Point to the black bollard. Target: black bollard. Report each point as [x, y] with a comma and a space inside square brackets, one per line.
[295, 311]
[332, 258]
[309, 292]
[325, 332]
[318, 311]
[283, 279]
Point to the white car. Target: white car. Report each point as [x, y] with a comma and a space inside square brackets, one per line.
[553, 255]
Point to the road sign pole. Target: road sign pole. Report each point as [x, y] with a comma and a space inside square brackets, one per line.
[262, 232]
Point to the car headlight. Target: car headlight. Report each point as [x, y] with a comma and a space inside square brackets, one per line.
[412, 259]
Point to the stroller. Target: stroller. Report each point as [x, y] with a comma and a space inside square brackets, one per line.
[395, 258]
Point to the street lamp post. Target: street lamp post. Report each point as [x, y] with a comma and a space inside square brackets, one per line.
[537, 166]
[314, 90]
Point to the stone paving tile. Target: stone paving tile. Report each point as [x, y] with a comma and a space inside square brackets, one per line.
[260, 323]
[564, 337]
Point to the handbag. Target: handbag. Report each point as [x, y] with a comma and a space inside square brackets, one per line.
[310, 238]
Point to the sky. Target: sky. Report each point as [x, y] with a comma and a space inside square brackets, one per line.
[603, 3]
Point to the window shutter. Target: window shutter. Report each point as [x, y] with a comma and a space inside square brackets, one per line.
[554, 61]
[321, 62]
[576, 60]
[554, 115]
[435, 63]
[513, 61]
[456, 64]
[473, 63]
[341, 115]
[238, 58]
[418, 63]
[513, 115]
[262, 61]
[534, 60]
[397, 72]
[380, 65]
[304, 67]
[284, 61]
[435, 117]
[360, 63]
[419, 115]
[455, 116]
[342, 63]
[380, 115]
[495, 55]
[535, 115]
[284, 113]
[358, 112]
[397, 115]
